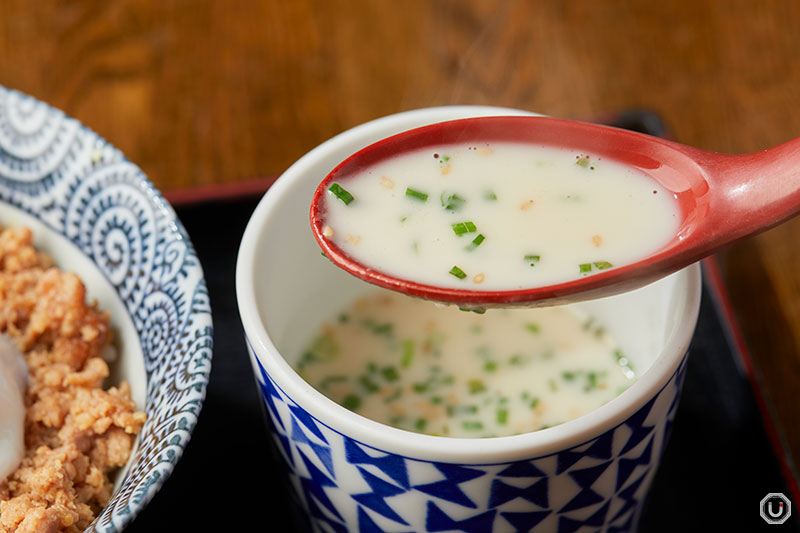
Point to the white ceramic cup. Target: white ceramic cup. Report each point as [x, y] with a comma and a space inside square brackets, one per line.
[354, 474]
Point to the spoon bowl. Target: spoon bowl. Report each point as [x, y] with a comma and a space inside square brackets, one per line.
[721, 198]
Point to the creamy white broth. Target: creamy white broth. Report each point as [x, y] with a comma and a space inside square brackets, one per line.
[498, 216]
[441, 371]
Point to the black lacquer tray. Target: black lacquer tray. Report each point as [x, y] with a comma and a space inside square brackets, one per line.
[719, 463]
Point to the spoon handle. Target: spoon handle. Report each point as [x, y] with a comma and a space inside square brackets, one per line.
[747, 193]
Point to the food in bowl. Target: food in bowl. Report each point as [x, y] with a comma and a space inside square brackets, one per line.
[495, 216]
[77, 433]
[440, 371]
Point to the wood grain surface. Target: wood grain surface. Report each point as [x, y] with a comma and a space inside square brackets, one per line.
[200, 93]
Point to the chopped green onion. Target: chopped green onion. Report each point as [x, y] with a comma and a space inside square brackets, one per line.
[532, 327]
[417, 195]
[585, 267]
[331, 379]
[534, 402]
[436, 400]
[603, 264]
[516, 359]
[532, 259]
[452, 202]
[591, 379]
[460, 228]
[341, 193]
[457, 272]
[385, 330]
[408, 353]
[502, 416]
[420, 424]
[472, 425]
[568, 376]
[390, 374]
[476, 242]
[368, 384]
[351, 402]
[476, 386]
[490, 195]
[489, 366]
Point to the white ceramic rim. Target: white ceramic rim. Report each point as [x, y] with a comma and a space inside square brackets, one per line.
[425, 447]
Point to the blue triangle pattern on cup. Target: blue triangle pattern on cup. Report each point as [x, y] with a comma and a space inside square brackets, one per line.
[438, 520]
[501, 493]
[393, 466]
[524, 522]
[349, 486]
[375, 499]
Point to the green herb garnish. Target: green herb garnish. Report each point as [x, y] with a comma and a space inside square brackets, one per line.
[472, 425]
[476, 386]
[420, 388]
[476, 242]
[341, 193]
[603, 265]
[532, 259]
[460, 228]
[368, 384]
[502, 416]
[351, 402]
[591, 380]
[532, 327]
[490, 195]
[420, 424]
[384, 330]
[585, 267]
[390, 374]
[331, 379]
[408, 353]
[417, 195]
[457, 272]
[452, 202]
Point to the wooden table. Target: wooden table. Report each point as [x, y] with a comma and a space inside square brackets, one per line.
[202, 93]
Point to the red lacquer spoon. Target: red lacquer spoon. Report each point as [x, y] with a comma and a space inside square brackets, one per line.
[722, 198]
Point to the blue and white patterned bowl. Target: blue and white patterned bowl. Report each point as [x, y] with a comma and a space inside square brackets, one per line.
[351, 474]
[97, 214]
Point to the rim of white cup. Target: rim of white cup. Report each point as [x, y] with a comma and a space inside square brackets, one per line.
[415, 445]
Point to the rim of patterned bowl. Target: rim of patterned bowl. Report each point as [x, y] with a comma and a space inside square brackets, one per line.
[78, 185]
